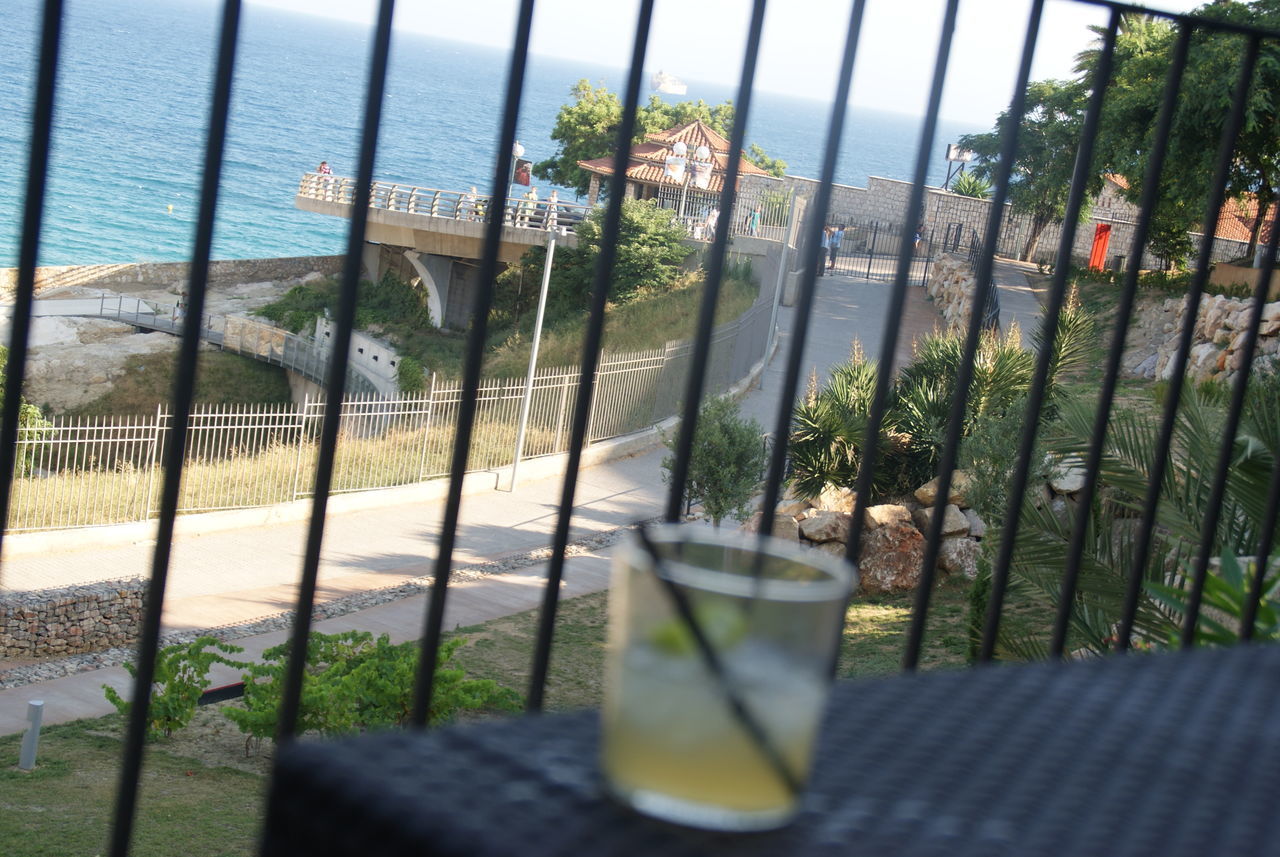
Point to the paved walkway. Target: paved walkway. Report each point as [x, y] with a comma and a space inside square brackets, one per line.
[236, 576]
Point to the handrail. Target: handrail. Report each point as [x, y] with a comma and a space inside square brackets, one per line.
[520, 212]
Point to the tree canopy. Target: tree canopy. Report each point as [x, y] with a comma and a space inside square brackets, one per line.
[1041, 178]
[586, 127]
[1144, 47]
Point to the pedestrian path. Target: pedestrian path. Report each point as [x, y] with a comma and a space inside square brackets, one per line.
[235, 576]
[1019, 299]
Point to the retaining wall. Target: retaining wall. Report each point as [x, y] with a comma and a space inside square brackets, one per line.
[71, 620]
[152, 275]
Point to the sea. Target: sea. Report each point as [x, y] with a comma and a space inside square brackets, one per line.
[130, 120]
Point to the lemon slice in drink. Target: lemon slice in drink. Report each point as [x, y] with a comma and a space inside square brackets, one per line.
[722, 623]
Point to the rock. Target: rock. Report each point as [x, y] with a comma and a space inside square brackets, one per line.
[954, 523]
[836, 549]
[885, 514]
[1147, 368]
[1067, 476]
[928, 492]
[891, 558]
[959, 555]
[826, 527]
[833, 499]
[784, 526]
[977, 526]
[792, 507]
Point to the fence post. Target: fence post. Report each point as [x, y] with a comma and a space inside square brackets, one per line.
[426, 428]
[564, 397]
[302, 439]
[155, 461]
[871, 246]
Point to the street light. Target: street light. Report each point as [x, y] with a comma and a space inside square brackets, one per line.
[956, 155]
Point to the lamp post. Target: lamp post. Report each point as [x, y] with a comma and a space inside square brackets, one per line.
[533, 357]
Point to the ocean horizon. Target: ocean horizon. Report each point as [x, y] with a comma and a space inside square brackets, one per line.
[132, 109]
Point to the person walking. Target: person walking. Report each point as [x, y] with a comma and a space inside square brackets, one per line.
[527, 206]
[826, 250]
[837, 236]
[713, 218]
[326, 179]
[753, 223]
[551, 217]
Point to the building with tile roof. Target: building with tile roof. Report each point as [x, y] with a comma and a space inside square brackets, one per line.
[683, 168]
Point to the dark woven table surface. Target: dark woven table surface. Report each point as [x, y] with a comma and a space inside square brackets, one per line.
[1175, 754]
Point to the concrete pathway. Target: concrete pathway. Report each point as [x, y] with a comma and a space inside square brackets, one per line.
[1020, 302]
[235, 576]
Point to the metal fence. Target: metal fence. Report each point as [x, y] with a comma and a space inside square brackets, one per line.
[82, 472]
[1140, 544]
[870, 249]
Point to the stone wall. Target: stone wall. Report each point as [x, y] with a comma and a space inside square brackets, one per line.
[1217, 339]
[950, 286]
[152, 275]
[947, 214]
[71, 620]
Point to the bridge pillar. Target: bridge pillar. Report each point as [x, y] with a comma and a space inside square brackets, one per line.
[450, 285]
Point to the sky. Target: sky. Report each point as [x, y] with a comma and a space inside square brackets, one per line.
[703, 40]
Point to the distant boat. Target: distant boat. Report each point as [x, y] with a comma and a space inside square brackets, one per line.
[668, 83]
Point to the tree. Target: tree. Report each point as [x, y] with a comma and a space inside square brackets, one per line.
[726, 463]
[1143, 52]
[650, 253]
[773, 166]
[586, 128]
[1047, 143]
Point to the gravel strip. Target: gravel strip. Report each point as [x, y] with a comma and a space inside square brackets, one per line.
[46, 670]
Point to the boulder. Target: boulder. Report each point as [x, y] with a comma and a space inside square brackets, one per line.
[928, 492]
[883, 515]
[784, 526]
[977, 526]
[959, 555]
[792, 507]
[954, 523]
[891, 558]
[834, 499]
[1067, 476]
[826, 527]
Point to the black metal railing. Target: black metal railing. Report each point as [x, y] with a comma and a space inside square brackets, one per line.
[904, 271]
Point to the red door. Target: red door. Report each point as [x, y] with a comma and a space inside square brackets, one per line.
[1101, 238]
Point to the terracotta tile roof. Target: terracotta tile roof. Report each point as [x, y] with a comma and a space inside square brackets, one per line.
[1236, 219]
[649, 158]
[1118, 179]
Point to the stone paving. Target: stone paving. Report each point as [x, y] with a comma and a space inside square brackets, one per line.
[239, 575]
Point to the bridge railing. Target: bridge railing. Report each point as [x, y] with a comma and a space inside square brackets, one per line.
[452, 204]
[240, 335]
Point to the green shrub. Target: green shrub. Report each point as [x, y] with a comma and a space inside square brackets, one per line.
[650, 251]
[181, 673]
[299, 308]
[354, 683]
[727, 460]
[971, 184]
[410, 375]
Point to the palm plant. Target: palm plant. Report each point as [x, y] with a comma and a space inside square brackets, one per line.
[971, 184]
[1123, 477]
[829, 426]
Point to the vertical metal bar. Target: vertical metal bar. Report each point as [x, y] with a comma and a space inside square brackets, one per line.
[335, 387]
[1213, 511]
[28, 251]
[811, 266]
[1124, 312]
[183, 393]
[583, 406]
[1048, 340]
[425, 679]
[898, 300]
[695, 383]
[1173, 396]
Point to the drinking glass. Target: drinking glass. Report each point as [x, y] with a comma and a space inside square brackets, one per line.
[719, 662]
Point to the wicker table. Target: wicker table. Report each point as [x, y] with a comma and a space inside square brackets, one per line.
[1162, 755]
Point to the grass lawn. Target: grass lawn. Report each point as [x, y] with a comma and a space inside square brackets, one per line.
[201, 796]
[64, 806]
[221, 379]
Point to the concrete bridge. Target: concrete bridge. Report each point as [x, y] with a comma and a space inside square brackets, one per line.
[372, 370]
[437, 236]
